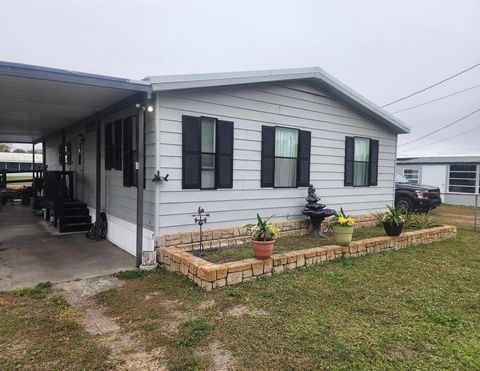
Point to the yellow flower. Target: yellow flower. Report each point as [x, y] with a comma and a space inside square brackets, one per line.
[273, 229]
[350, 221]
[342, 220]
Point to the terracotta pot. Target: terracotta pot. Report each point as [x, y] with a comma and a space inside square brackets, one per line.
[393, 229]
[342, 235]
[262, 249]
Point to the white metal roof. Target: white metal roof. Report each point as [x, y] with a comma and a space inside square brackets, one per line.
[20, 157]
[313, 74]
[439, 160]
[37, 101]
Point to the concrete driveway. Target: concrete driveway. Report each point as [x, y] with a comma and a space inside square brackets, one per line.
[31, 251]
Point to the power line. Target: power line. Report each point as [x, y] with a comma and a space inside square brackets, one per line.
[442, 128]
[444, 139]
[437, 99]
[433, 85]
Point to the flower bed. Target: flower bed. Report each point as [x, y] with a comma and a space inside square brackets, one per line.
[211, 275]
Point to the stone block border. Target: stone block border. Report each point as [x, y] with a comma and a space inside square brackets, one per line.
[210, 275]
[235, 236]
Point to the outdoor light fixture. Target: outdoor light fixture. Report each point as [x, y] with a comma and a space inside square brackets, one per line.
[149, 108]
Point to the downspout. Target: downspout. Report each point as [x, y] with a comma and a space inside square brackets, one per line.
[156, 232]
[98, 177]
[140, 165]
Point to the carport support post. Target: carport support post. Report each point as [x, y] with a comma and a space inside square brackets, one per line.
[33, 161]
[98, 177]
[140, 181]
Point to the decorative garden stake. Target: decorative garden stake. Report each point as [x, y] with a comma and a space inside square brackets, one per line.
[200, 219]
[316, 211]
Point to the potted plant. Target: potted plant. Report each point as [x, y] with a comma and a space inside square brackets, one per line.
[342, 226]
[263, 237]
[393, 221]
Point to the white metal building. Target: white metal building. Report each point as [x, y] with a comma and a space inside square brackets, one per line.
[456, 176]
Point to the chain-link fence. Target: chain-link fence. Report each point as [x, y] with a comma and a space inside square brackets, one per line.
[459, 209]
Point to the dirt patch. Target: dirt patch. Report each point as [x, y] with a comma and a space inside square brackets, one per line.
[128, 353]
[241, 310]
[207, 304]
[222, 359]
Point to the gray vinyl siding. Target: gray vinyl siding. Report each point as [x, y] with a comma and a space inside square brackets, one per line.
[117, 200]
[289, 104]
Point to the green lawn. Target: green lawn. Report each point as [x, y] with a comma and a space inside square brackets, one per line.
[417, 308]
[39, 331]
[284, 244]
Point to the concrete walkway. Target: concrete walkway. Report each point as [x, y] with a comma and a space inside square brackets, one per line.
[31, 251]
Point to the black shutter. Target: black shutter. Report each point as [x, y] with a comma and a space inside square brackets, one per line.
[268, 156]
[127, 152]
[304, 145]
[61, 154]
[117, 149]
[224, 154]
[191, 152]
[108, 146]
[373, 173]
[349, 155]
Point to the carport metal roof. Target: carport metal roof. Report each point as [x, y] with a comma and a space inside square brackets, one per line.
[37, 101]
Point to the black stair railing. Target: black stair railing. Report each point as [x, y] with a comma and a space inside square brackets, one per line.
[58, 186]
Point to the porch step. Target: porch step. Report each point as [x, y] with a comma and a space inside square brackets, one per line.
[76, 227]
[74, 205]
[73, 219]
[76, 211]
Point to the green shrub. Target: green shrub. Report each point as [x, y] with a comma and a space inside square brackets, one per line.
[422, 221]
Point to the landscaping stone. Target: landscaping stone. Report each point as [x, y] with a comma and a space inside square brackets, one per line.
[210, 276]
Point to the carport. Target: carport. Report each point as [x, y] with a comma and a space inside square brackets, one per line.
[36, 102]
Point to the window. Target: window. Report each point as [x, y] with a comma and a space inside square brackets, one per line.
[65, 154]
[207, 153]
[462, 178]
[130, 152]
[113, 145]
[285, 157]
[361, 162]
[411, 175]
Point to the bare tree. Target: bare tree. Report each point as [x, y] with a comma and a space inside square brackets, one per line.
[4, 147]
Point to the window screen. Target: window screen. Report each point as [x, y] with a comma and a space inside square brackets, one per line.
[286, 157]
[462, 178]
[361, 160]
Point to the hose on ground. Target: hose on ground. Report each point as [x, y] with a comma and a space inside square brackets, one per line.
[103, 228]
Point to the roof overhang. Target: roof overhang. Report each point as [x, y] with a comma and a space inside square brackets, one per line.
[315, 75]
[37, 101]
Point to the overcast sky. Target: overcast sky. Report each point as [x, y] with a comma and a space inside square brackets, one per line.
[383, 49]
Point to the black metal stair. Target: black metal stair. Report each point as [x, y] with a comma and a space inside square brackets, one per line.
[76, 217]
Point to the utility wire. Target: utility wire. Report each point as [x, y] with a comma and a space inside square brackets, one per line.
[444, 139]
[437, 99]
[442, 128]
[433, 85]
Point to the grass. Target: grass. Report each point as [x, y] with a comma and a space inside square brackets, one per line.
[39, 331]
[416, 308]
[284, 244]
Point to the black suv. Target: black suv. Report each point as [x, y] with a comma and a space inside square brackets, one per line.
[415, 197]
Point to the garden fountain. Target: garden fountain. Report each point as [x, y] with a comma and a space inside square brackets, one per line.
[316, 211]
